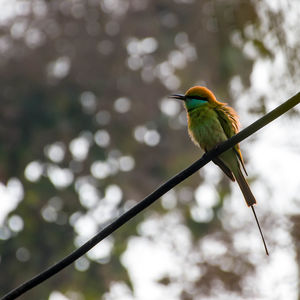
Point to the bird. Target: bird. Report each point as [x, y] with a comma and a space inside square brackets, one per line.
[211, 122]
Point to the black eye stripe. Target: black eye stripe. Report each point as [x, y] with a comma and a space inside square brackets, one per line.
[197, 97]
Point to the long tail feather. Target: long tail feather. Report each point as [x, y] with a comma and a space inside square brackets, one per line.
[260, 231]
[250, 199]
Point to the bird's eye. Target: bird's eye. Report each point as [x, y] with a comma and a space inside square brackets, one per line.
[198, 98]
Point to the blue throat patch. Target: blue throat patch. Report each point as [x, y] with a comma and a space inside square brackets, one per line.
[194, 103]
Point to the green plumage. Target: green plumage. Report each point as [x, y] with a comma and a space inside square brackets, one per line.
[204, 127]
[210, 123]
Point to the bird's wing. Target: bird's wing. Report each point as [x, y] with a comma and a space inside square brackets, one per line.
[229, 121]
[223, 167]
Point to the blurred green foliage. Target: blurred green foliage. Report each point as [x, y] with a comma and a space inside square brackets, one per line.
[66, 68]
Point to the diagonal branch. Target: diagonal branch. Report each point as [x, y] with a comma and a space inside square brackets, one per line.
[207, 157]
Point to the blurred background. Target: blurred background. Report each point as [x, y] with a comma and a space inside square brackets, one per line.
[87, 131]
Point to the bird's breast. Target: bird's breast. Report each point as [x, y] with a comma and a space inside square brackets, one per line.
[204, 128]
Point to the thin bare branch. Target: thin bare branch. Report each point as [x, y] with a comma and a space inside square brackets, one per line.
[207, 157]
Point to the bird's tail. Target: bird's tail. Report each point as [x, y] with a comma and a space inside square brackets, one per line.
[249, 197]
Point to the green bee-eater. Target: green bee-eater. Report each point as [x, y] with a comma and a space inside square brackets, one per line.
[211, 122]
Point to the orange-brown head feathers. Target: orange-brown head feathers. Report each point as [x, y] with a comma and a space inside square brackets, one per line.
[198, 96]
[201, 92]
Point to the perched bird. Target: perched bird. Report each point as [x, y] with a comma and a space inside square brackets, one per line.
[211, 122]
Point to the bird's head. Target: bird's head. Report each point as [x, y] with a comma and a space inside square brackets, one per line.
[196, 96]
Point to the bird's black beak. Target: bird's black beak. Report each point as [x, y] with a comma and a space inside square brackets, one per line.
[178, 97]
